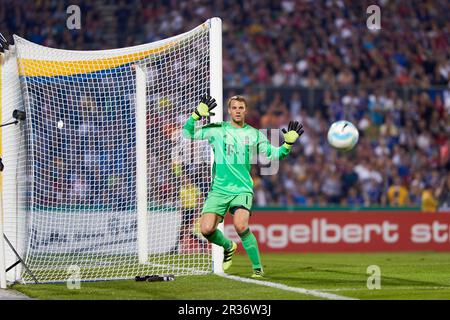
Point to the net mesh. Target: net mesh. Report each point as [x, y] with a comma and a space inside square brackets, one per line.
[82, 159]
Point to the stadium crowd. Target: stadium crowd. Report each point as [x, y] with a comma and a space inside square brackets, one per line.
[404, 150]
[288, 42]
[321, 46]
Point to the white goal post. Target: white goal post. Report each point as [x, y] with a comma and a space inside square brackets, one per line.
[95, 176]
[141, 164]
[215, 49]
[13, 178]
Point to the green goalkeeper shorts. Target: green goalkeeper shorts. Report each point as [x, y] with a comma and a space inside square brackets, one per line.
[220, 204]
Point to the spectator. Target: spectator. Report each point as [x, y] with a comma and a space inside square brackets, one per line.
[354, 198]
[332, 188]
[443, 194]
[429, 202]
[397, 193]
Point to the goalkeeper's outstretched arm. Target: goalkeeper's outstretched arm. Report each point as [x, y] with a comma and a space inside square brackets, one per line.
[290, 136]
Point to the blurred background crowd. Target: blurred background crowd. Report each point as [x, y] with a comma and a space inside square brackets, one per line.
[312, 61]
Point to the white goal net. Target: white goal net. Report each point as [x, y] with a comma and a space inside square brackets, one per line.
[113, 189]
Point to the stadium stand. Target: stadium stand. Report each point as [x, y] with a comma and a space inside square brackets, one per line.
[315, 61]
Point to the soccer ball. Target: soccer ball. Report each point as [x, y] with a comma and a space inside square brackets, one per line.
[343, 135]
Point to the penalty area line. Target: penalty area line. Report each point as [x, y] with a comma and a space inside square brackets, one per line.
[280, 286]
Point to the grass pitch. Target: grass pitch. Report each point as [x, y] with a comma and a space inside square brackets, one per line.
[423, 275]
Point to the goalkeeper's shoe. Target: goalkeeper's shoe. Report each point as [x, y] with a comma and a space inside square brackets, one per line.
[227, 257]
[207, 103]
[258, 274]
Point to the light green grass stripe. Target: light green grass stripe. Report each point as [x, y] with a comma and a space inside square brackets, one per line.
[280, 286]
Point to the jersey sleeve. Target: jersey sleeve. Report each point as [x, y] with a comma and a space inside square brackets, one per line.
[271, 152]
[200, 133]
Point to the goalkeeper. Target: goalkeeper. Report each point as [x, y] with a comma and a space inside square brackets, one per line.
[234, 144]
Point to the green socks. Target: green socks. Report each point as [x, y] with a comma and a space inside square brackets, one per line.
[248, 241]
[251, 246]
[218, 238]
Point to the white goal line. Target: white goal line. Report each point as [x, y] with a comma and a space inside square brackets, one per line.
[280, 286]
[386, 288]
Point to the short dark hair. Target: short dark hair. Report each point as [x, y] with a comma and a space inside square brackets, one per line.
[237, 98]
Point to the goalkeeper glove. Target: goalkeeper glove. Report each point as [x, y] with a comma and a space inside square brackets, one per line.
[207, 103]
[292, 134]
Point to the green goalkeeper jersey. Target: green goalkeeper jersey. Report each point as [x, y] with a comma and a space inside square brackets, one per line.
[235, 149]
